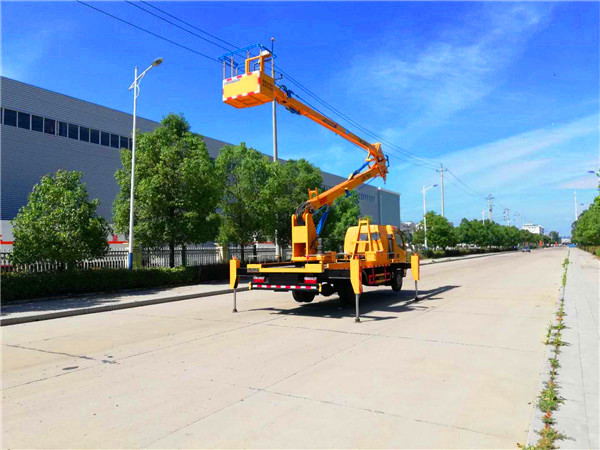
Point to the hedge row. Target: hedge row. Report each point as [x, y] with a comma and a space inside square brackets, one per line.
[22, 286]
[593, 249]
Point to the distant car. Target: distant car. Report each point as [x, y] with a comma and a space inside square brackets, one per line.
[526, 249]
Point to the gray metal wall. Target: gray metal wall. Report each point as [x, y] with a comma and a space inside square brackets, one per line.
[27, 155]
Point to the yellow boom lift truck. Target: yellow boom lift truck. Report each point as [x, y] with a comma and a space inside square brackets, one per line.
[374, 255]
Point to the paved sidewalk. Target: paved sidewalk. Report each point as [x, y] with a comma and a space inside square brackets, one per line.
[44, 309]
[54, 308]
[578, 375]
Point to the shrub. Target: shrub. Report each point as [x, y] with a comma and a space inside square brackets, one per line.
[22, 286]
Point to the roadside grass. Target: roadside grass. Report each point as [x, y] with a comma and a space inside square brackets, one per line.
[550, 399]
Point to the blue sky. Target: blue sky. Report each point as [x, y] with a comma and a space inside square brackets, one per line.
[503, 94]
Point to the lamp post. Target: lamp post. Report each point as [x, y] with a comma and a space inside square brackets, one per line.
[136, 91]
[425, 189]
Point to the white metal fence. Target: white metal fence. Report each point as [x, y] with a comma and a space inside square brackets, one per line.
[117, 259]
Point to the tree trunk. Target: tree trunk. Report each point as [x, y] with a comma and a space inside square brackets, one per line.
[171, 254]
[242, 252]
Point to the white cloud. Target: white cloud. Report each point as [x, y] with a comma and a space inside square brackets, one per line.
[508, 153]
[464, 65]
[589, 182]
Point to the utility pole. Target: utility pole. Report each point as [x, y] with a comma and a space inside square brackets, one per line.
[483, 216]
[576, 209]
[274, 103]
[490, 205]
[441, 171]
[277, 250]
[507, 215]
[424, 192]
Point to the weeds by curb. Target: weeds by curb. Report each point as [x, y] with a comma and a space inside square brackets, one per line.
[549, 399]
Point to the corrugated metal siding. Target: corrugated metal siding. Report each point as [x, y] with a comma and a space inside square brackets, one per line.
[28, 155]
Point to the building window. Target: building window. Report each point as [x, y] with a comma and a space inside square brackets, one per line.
[62, 129]
[94, 136]
[84, 134]
[10, 117]
[49, 126]
[105, 138]
[24, 121]
[37, 123]
[124, 142]
[130, 143]
[73, 131]
[114, 141]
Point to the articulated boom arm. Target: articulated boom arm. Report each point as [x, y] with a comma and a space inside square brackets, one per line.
[255, 87]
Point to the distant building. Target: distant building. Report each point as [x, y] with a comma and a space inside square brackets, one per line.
[408, 227]
[535, 229]
[43, 131]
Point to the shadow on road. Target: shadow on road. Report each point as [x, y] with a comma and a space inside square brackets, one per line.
[372, 301]
[82, 301]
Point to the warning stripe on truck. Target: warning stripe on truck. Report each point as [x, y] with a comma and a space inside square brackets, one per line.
[284, 286]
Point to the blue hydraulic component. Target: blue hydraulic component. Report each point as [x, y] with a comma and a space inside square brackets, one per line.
[357, 171]
[323, 219]
[290, 94]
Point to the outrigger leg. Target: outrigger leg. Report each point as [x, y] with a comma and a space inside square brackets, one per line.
[234, 265]
[356, 281]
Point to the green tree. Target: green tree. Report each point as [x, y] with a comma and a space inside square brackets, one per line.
[176, 188]
[59, 223]
[440, 232]
[344, 213]
[285, 190]
[554, 237]
[586, 229]
[246, 214]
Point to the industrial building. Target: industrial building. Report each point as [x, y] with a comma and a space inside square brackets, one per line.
[43, 131]
[532, 228]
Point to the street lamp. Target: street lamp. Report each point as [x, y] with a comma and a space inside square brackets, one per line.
[425, 189]
[136, 91]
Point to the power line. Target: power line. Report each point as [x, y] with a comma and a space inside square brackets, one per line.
[405, 153]
[149, 32]
[424, 161]
[175, 25]
[189, 24]
[395, 151]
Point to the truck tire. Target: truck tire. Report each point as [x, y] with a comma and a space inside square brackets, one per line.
[303, 296]
[397, 279]
[346, 293]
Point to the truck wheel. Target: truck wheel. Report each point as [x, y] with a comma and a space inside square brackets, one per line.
[346, 293]
[303, 296]
[397, 280]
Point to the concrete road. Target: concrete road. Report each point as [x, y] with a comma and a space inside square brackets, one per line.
[460, 368]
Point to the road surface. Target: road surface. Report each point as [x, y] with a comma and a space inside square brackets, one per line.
[459, 368]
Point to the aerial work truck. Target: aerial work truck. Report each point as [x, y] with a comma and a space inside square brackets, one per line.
[374, 255]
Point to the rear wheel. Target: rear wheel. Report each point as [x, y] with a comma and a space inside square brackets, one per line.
[397, 280]
[303, 296]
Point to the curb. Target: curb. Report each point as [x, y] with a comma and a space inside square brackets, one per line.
[105, 308]
[155, 301]
[463, 258]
